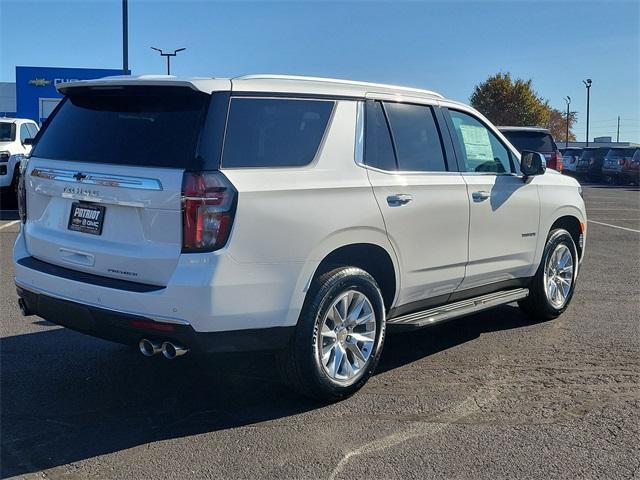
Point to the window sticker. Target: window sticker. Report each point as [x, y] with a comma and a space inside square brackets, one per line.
[476, 142]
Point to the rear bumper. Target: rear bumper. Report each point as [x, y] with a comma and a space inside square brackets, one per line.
[129, 329]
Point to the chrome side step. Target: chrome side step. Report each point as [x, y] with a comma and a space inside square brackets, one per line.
[459, 309]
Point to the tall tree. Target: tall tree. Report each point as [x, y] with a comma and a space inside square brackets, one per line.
[558, 125]
[507, 102]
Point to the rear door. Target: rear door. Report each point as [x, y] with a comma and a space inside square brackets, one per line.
[423, 202]
[104, 180]
[505, 210]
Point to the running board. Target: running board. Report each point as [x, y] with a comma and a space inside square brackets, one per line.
[459, 309]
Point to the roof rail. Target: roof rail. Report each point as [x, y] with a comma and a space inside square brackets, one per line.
[263, 76]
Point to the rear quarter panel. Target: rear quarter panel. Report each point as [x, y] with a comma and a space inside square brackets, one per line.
[297, 216]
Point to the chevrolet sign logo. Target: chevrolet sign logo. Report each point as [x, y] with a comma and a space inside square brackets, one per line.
[39, 82]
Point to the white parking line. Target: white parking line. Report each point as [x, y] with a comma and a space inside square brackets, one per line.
[7, 225]
[614, 226]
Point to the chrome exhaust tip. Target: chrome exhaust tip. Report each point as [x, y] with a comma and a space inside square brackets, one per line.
[171, 351]
[24, 310]
[149, 347]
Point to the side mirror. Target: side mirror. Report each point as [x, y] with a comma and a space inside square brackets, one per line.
[27, 141]
[532, 163]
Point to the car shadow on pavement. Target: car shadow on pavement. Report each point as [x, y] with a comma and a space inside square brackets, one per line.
[67, 397]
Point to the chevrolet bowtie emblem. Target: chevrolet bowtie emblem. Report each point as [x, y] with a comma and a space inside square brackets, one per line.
[39, 82]
[79, 176]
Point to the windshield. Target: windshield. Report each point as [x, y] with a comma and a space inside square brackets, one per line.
[7, 132]
[145, 126]
[532, 141]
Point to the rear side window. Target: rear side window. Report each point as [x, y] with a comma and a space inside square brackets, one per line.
[416, 137]
[532, 141]
[378, 149]
[274, 132]
[144, 126]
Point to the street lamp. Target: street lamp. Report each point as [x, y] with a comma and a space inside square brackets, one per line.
[587, 83]
[168, 55]
[566, 138]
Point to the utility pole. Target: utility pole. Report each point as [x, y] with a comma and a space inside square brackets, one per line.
[125, 38]
[618, 135]
[566, 138]
[168, 55]
[587, 83]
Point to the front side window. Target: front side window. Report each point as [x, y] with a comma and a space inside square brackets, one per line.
[480, 149]
[274, 132]
[33, 130]
[24, 132]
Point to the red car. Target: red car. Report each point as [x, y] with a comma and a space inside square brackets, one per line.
[535, 139]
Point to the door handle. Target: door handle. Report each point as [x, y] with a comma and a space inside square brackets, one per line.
[399, 199]
[480, 196]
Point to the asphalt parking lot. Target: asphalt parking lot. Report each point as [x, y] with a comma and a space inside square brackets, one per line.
[488, 396]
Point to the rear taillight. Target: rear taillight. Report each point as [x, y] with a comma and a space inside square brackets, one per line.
[208, 206]
[558, 158]
[22, 190]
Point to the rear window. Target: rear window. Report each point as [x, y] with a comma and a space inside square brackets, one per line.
[619, 153]
[144, 126]
[7, 132]
[274, 132]
[532, 141]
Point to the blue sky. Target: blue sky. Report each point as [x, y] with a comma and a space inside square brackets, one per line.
[445, 46]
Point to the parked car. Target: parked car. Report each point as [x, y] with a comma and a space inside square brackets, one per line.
[535, 139]
[616, 166]
[570, 159]
[16, 135]
[634, 168]
[298, 214]
[589, 165]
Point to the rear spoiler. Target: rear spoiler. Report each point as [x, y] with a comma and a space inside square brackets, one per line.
[206, 85]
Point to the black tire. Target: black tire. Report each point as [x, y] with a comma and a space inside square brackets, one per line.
[300, 364]
[537, 306]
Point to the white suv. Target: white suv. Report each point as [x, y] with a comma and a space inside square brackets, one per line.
[16, 137]
[299, 214]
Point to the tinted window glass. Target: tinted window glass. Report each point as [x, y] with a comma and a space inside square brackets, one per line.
[620, 153]
[7, 132]
[33, 130]
[481, 150]
[266, 132]
[156, 126]
[532, 141]
[378, 149]
[416, 138]
[24, 132]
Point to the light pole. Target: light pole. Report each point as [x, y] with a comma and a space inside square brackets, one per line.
[566, 138]
[587, 83]
[168, 55]
[125, 38]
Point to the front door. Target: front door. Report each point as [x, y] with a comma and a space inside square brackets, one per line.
[504, 209]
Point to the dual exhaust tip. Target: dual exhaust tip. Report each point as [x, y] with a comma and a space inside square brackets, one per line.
[170, 350]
